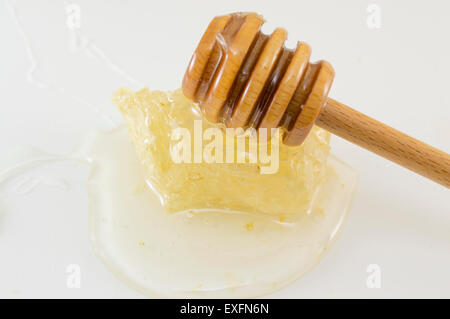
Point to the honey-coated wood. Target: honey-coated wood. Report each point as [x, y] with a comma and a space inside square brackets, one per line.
[242, 77]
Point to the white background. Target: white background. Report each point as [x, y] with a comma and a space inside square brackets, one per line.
[53, 90]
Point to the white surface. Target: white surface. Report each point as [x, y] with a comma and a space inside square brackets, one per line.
[397, 74]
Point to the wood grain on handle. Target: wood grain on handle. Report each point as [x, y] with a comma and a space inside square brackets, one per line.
[385, 141]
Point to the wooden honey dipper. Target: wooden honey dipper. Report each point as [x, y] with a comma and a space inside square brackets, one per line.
[244, 78]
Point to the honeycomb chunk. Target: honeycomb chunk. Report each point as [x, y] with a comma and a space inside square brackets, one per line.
[152, 116]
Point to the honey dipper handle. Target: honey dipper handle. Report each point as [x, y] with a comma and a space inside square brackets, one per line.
[385, 141]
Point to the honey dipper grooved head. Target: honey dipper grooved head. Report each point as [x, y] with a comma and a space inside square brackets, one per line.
[242, 77]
